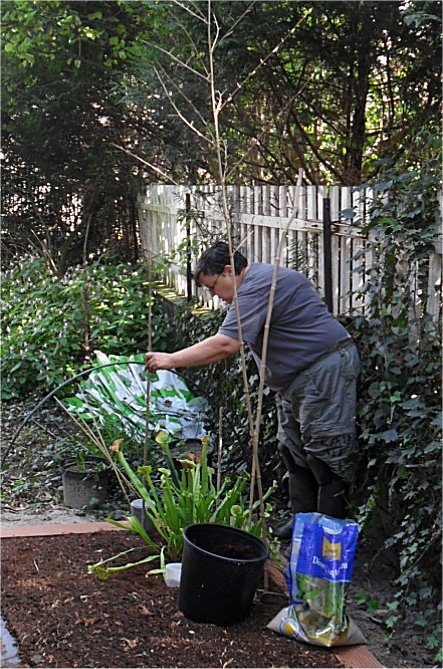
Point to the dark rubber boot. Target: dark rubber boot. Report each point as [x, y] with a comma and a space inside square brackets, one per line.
[284, 532]
[332, 498]
[303, 491]
[332, 489]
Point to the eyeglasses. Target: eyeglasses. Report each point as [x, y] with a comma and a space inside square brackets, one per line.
[212, 288]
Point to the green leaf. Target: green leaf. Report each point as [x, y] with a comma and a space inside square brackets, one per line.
[432, 447]
[390, 435]
[383, 185]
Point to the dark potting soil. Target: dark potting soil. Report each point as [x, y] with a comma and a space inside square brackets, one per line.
[234, 552]
[61, 616]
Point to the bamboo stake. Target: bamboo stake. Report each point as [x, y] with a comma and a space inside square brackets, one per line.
[84, 427]
[264, 351]
[149, 333]
[216, 100]
[220, 446]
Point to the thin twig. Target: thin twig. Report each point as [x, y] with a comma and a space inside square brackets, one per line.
[175, 59]
[189, 124]
[84, 427]
[149, 342]
[198, 16]
[187, 100]
[145, 162]
[216, 107]
[264, 60]
[257, 139]
[266, 329]
[193, 46]
[107, 454]
[237, 21]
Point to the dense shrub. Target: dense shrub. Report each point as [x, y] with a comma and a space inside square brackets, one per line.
[51, 326]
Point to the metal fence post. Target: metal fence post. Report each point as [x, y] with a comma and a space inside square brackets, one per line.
[327, 252]
[188, 247]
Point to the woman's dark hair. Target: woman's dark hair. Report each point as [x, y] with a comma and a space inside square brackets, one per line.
[215, 258]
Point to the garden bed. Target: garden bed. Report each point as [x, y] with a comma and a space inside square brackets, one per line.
[32, 495]
[63, 617]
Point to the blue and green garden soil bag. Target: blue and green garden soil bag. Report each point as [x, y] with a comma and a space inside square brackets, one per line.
[318, 573]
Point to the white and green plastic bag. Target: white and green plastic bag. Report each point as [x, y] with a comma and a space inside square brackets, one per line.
[117, 394]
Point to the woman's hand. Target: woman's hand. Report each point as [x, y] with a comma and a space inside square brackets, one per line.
[155, 361]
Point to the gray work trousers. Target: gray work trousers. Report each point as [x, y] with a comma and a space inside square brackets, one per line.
[317, 412]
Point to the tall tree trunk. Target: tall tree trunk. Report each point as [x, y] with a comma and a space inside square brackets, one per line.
[364, 26]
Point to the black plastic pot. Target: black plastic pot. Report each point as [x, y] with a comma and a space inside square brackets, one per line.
[85, 485]
[221, 568]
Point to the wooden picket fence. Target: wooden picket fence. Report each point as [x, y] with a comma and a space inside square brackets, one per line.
[177, 223]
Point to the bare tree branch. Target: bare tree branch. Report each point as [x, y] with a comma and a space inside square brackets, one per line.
[197, 14]
[176, 60]
[237, 21]
[152, 167]
[283, 109]
[190, 124]
[185, 97]
[265, 59]
[193, 44]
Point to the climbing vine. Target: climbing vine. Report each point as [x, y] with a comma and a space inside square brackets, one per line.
[400, 387]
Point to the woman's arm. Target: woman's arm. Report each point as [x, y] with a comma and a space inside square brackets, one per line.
[209, 350]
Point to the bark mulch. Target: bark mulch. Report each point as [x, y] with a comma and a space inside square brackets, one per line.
[61, 616]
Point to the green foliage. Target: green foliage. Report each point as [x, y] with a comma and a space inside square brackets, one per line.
[400, 386]
[364, 599]
[46, 319]
[172, 505]
[65, 182]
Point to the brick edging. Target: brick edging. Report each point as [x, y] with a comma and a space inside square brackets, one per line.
[350, 657]
[46, 529]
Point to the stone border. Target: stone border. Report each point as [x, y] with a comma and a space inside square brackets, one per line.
[351, 657]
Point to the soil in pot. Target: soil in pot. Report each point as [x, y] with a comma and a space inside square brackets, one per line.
[234, 552]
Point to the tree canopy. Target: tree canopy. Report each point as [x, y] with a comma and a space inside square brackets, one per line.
[337, 88]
